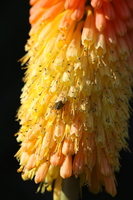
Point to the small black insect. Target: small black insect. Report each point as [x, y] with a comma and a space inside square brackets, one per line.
[58, 105]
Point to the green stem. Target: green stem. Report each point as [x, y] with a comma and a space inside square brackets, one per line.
[70, 189]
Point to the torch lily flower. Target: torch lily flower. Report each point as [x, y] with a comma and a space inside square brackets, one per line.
[75, 102]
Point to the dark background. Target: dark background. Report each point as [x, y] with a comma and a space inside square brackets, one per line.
[14, 29]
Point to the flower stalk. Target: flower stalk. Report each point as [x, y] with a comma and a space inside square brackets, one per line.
[70, 189]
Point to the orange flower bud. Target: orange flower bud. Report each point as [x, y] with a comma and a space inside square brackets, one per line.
[57, 158]
[100, 21]
[110, 185]
[68, 147]
[31, 162]
[78, 162]
[66, 168]
[41, 172]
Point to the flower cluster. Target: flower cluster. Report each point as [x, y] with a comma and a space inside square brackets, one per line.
[75, 102]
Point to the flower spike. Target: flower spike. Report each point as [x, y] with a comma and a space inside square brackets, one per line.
[75, 102]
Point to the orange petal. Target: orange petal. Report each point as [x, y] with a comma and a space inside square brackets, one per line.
[122, 9]
[78, 162]
[122, 46]
[47, 3]
[66, 168]
[119, 26]
[59, 131]
[129, 4]
[32, 2]
[79, 11]
[27, 146]
[92, 160]
[31, 162]
[105, 167]
[89, 30]
[96, 3]
[41, 172]
[69, 4]
[76, 127]
[57, 158]
[108, 11]
[24, 158]
[128, 41]
[66, 21]
[31, 134]
[129, 23]
[68, 147]
[95, 186]
[110, 34]
[110, 185]
[100, 21]
[53, 11]
[25, 175]
[35, 13]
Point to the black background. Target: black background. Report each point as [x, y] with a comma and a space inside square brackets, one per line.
[14, 29]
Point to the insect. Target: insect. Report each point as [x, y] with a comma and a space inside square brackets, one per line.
[58, 105]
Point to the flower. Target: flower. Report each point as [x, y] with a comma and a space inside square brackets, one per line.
[75, 102]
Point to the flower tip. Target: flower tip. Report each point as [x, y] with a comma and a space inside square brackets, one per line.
[96, 3]
[25, 175]
[69, 4]
[100, 27]
[110, 185]
[100, 20]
